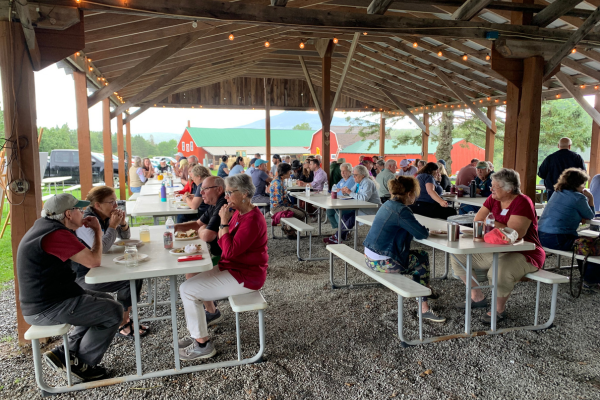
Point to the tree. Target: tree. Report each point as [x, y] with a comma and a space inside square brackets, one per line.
[445, 140]
[303, 127]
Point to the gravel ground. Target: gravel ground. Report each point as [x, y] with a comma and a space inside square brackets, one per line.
[332, 344]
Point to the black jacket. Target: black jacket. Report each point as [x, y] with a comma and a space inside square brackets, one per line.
[555, 164]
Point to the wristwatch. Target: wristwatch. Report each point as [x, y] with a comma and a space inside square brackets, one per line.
[223, 226]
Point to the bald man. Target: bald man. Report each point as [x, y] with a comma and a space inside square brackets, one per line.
[557, 162]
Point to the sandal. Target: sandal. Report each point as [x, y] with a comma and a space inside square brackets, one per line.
[130, 334]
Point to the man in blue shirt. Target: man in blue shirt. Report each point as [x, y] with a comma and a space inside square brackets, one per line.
[261, 180]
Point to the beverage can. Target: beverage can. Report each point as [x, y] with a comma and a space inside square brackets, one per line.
[334, 195]
[168, 240]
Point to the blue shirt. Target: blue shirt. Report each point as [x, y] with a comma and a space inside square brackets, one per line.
[423, 180]
[564, 212]
[366, 190]
[595, 189]
[349, 183]
[238, 169]
[222, 173]
[259, 179]
[250, 170]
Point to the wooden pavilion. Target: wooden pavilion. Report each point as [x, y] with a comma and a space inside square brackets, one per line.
[402, 57]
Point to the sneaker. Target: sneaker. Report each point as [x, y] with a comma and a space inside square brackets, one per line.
[431, 316]
[185, 342]
[499, 317]
[195, 351]
[87, 373]
[331, 240]
[474, 304]
[55, 359]
[214, 318]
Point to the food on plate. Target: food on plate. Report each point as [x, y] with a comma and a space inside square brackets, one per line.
[189, 249]
[438, 232]
[187, 234]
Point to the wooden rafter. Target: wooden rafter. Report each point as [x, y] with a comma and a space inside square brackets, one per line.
[311, 87]
[346, 66]
[279, 3]
[379, 6]
[464, 98]
[401, 106]
[469, 9]
[29, 32]
[578, 96]
[554, 11]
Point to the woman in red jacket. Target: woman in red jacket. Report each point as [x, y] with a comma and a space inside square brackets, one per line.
[242, 268]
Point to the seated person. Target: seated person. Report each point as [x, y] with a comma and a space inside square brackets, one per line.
[296, 170]
[197, 175]
[319, 180]
[162, 167]
[387, 245]
[483, 182]
[307, 175]
[347, 181]
[384, 175]
[511, 209]
[365, 189]
[238, 166]
[260, 180]
[570, 204]
[242, 268]
[445, 182]
[251, 167]
[113, 222]
[223, 171]
[429, 203]
[279, 198]
[49, 294]
[148, 168]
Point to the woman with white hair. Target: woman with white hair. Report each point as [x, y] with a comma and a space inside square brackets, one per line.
[241, 269]
[514, 210]
[365, 189]
[346, 181]
[137, 177]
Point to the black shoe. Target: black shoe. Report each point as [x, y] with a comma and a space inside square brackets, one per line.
[499, 317]
[213, 318]
[87, 372]
[474, 304]
[55, 359]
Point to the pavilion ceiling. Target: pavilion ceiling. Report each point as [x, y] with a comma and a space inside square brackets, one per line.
[165, 52]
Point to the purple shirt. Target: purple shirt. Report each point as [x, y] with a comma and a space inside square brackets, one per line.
[319, 179]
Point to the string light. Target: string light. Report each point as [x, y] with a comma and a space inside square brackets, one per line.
[91, 69]
[464, 57]
[582, 86]
[481, 101]
[439, 53]
[77, 53]
[487, 57]
[231, 37]
[558, 96]
[89, 60]
[415, 44]
[365, 33]
[267, 44]
[488, 99]
[496, 100]
[335, 40]
[573, 51]
[596, 87]
[301, 45]
[504, 101]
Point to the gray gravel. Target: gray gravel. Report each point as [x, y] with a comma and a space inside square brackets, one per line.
[332, 344]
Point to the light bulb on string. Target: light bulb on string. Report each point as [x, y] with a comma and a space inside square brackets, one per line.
[465, 57]
[415, 44]
[231, 37]
[335, 40]
[301, 45]
[267, 44]
[487, 57]
[439, 53]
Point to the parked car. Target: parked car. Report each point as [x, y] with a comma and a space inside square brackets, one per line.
[66, 163]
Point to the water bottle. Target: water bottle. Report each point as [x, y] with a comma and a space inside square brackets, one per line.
[170, 224]
[163, 192]
[307, 190]
[490, 223]
[473, 189]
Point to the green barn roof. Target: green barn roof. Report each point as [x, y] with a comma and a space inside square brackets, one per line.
[235, 137]
[362, 147]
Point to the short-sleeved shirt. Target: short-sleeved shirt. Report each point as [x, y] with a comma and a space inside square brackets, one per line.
[521, 206]
[412, 171]
[238, 169]
[212, 220]
[62, 244]
[466, 174]
[423, 180]
[197, 191]
[274, 170]
[221, 173]
[259, 179]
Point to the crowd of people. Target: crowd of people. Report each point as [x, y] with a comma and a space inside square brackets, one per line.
[59, 250]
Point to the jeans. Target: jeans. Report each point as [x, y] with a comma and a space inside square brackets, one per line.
[96, 318]
[564, 242]
[332, 215]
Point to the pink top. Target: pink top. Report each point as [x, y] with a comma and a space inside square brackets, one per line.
[245, 249]
[522, 206]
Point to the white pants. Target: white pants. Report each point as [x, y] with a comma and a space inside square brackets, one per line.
[206, 286]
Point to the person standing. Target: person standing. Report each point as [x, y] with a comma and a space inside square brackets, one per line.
[384, 177]
[554, 165]
[406, 169]
[178, 157]
[467, 173]
[276, 161]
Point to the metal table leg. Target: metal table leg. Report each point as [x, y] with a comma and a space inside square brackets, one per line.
[136, 327]
[355, 228]
[468, 297]
[173, 290]
[494, 291]
[339, 236]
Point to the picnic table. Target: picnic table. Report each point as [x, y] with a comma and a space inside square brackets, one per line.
[54, 180]
[159, 264]
[478, 201]
[324, 200]
[151, 206]
[149, 190]
[155, 181]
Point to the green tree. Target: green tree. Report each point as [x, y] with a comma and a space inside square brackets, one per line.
[58, 138]
[166, 148]
[303, 127]
[444, 147]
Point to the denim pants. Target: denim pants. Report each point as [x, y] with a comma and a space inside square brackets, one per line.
[332, 215]
[565, 242]
[96, 318]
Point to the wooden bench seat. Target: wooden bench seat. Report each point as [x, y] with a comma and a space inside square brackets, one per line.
[71, 188]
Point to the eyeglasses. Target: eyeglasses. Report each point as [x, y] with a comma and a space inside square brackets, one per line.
[229, 193]
[113, 202]
[205, 189]
[77, 208]
[355, 174]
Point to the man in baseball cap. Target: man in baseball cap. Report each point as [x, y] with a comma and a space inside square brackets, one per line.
[178, 157]
[406, 169]
[49, 294]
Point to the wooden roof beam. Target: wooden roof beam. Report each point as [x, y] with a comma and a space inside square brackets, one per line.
[279, 3]
[553, 12]
[32, 44]
[144, 66]
[311, 87]
[343, 77]
[571, 42]
[578, 96]
[465, 99]
[401, 106]
[379, 6]
[470, 9]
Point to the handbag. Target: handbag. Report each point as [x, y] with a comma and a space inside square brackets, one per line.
[586, 247]
[501, 236]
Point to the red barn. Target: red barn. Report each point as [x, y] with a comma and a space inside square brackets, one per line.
[316, 144]
[462, 152]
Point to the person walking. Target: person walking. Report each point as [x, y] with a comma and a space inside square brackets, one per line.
[554, 165]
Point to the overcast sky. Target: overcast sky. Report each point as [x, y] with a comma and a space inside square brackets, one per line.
[55, 95]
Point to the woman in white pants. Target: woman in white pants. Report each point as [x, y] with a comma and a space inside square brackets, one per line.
[242, 268]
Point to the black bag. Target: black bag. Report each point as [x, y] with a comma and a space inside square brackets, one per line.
[288, 231]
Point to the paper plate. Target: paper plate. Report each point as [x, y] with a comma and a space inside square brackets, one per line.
[172, 252]
[186, 238]
[128, 242]
[438, 233]
[183, 207]
[121, 259]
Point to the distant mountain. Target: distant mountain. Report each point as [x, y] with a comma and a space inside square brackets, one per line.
[161, 136]
[289, 119]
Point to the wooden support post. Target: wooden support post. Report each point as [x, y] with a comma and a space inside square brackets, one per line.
[128, 140]
[528, 130]
[18, 93]
[381, 135]
[513, 102]
[107, 144]
[83, 133]
[267, 83]
[326, 104]
[490, 134]
[425, 138]
[121, 155]
[594, 167]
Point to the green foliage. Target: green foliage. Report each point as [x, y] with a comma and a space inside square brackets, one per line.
[305, 126]
[369, 130]
[65, 138]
